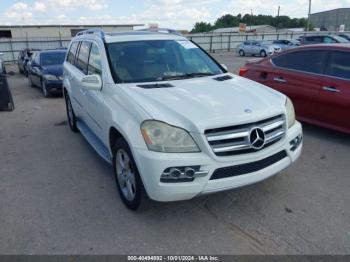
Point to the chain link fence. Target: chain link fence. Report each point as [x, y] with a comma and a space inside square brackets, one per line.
[212, 42]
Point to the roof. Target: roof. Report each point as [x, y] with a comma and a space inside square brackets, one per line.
[332, 10]
[52, 51]
[72, 25]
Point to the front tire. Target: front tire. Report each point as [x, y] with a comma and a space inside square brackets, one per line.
[129, 183]
[72, 120]
[263, 53]
[44, 89]
[241, 53]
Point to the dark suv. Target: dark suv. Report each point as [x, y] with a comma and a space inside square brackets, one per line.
[319, 39]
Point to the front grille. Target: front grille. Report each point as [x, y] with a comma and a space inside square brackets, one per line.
[247, 168]
[234, 140]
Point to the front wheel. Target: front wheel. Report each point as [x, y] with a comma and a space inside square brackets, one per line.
[241, 53]
[129, 183]
[263, 53]
[44, 88]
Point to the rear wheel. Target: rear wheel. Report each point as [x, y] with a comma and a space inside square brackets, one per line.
[263, 53]
[241, 53]
[72, 121]
[129, 183]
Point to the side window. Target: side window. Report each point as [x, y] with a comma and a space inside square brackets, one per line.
[95, 66]
[312, 61]
[83, 57]
[339, 65]
[37, 58]
[328, 39]
[72, 52]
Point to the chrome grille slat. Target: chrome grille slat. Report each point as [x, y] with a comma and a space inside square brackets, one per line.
[234, 140]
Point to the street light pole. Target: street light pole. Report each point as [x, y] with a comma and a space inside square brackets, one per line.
[308, 19]
[251, 19]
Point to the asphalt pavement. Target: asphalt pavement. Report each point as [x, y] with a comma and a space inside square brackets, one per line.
[58, 197]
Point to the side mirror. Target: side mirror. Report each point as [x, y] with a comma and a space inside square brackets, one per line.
[92, 82]
[224, 66]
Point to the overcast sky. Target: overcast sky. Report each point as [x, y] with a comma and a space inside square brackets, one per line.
[178, 14]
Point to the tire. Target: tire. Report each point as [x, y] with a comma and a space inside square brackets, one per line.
[241, 53]
[46, 93]
[263, 53]
[31, 83]
[129, 183]
[72, 120]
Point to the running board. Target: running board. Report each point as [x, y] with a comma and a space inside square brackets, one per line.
[94, 141]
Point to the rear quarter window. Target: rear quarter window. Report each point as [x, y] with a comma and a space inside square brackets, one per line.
[311, 61]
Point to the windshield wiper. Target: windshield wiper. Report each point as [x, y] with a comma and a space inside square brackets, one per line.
[188, 75]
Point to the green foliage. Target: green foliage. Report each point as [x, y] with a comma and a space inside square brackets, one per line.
[234, 21]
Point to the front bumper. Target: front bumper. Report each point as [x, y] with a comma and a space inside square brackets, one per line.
[54, 86]
[152, 164]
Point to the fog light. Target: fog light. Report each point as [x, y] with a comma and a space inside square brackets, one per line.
[294, 144]
[181, 174]
[174, 172]
[190, 172]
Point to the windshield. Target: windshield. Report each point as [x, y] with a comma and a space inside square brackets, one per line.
[159, 60]
[55, 58]
[341, 39]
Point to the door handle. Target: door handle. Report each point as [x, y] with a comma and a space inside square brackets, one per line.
[331, 89]
[279, 79]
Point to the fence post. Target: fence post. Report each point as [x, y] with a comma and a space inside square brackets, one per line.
[11, 49]
[211, 44]
[229, 42]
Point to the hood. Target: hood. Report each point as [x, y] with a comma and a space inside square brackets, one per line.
[56, 70]
[201, 103]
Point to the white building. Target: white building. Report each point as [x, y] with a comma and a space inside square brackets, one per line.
[64, 31]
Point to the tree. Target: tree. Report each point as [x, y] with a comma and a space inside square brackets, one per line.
[201, 27]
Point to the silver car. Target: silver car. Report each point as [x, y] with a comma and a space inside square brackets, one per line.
[254, 47]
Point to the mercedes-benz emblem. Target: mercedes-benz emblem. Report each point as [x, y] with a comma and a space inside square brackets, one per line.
[257, 138]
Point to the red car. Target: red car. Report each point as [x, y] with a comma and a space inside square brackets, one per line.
[315, 77]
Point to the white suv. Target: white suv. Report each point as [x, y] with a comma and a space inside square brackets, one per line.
[171, 120]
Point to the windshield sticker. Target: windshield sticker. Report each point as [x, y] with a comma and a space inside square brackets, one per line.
[187, 44]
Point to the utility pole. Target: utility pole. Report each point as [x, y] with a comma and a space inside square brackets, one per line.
[308, 18]
[251, 19]
[278, 16]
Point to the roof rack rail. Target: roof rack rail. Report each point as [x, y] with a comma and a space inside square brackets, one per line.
[96, 31]
[161, 30]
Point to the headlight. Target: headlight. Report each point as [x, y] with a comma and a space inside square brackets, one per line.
[162, 137]
[50, 77]
[290, 113]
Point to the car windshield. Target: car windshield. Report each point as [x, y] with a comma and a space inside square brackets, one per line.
[159, 60]
[54, 58]
[340, 39]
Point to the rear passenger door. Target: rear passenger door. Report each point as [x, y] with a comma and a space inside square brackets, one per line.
[298, 75]
[334, 105]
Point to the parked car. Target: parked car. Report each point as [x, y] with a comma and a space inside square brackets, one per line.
[46, 71]
[6, 101]
[318, 39]
[23, 58]
[286, 44]
[170, 119]
[347, 37]
[260, 48]
[315, 77]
